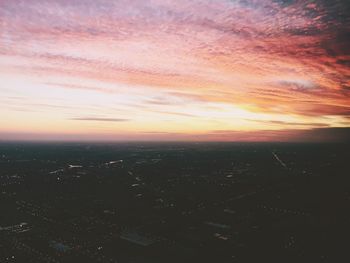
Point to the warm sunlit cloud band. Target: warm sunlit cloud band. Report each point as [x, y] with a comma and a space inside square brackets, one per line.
[179, 70]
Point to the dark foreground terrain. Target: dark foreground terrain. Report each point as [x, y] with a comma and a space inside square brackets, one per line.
[146, 202]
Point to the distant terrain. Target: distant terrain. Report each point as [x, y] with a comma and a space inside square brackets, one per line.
[174, 202]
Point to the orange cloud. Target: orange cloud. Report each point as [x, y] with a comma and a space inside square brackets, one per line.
[182, 67]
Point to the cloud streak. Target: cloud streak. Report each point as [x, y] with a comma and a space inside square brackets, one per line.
[103, 119]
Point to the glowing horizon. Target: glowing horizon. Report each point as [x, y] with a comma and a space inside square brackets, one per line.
[172, 70]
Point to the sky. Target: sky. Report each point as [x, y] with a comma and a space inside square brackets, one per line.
[250, 70]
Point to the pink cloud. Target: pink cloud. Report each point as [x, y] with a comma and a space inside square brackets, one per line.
[269, 56]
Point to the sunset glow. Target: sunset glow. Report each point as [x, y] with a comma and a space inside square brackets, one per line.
[172, 70]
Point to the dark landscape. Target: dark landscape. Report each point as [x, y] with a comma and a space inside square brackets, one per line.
[174, 202]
